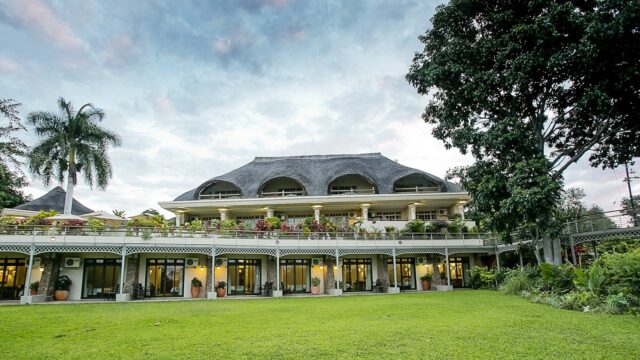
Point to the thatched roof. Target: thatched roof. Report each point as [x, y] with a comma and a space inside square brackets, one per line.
[316, 172]
[54, 200]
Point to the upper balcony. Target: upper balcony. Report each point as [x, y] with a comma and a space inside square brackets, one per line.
[416, 184]
[282, 187]
[172, 236]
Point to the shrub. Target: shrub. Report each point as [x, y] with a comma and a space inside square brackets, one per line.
[579, 300]
[221, 285]
[623, 274]
[229, 224]
[558, 279]
[196, 282]
[516, 282]
[414, 226]
[590, 280]
[63, 283]
[315, 281]
[482, 278]
[273, 223]
[618, 245]
[195, 225]
[95, 225]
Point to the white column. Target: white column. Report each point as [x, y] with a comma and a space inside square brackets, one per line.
[316, 212]
[179, 215]
[223, 214]
[122, 269]
[335, 273]
[365, 211]
[269, 212]
[212, 295]
[461, 209]
[395, 273]
[446, 252]
[412, 211]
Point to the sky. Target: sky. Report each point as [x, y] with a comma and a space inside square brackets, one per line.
[197, 89]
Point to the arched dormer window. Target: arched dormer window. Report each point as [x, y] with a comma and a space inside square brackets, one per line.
[282, 186]
[416, 183]
[351, 184]
[219, 190]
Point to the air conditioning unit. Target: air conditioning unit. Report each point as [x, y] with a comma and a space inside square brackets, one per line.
[191, 262]
[421, 261]
[72, 262]
[221, 262]
[443, 212]
[36, 262]
[316, 262]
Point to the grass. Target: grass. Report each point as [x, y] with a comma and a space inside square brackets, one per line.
[461, 324]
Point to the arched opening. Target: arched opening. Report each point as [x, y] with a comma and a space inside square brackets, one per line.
[220, 190]
[416, 183]
[282, 186]
[351, 184]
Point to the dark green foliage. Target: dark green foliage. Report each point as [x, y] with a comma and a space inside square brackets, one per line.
[10, 184]
[528, 89]
[11, 147]
[557, 279]
[72, 142]
[482, 278]
[415, 226]
[618, 245]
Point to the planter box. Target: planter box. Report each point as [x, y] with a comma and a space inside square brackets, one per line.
[123, 297]
[212, 295]
[393, 290]
[277, 293]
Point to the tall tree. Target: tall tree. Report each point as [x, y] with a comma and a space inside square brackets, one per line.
[12, 149]
[632, 209]
[529, 88]
[72, 142]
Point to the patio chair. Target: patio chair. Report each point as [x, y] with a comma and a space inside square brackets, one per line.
[378, 287]
[267, 290]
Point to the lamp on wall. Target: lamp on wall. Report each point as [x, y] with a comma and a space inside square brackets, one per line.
[52, 239]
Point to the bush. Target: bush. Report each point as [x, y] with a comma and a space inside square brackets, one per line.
[618, 245]
[517, 281]
[590, 280]
[482, 278]
[273, 223]
[557, 279]
[414, 226]
[63, 283]
[622, 272]
[579, 300]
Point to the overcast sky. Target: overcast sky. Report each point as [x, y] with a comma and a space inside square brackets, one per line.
[196, 90]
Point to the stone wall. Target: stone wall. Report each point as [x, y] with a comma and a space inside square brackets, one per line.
[383, 273]
[51, 268]
[131, 279]
[329, 278]
[207, 280]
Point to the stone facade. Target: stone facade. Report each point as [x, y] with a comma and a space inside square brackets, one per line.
[50, 271]
[131, 273]
[329, 277]
[383, 273]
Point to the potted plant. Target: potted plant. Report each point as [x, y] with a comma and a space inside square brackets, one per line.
[63, 283]
[34, 288]
[196, 284]
[426, 281]
[220, 288]
[315, 285]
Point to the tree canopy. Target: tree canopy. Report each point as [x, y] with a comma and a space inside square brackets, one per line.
[529, 88]
[12, 149]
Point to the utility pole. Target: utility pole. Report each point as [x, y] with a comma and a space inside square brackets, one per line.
[628, 179]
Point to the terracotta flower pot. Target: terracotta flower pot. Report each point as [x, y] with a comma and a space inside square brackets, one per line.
[426, 285]
[33, 292]
[61, 295]
[221, 292]
[315, 290]
[195, 291]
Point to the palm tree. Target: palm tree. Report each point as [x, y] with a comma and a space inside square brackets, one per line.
[119, 213]
[72, 142]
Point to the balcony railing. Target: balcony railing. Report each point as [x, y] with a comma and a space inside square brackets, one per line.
[417, 189]
[8, 233]
[282, 193]
[353, 191]
[218, 196]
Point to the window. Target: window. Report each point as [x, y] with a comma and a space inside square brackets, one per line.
[295, 275]
[13, 274]
[339, 218]
[387, 215]
[101, 277]
[356, 275]
[295, 220]
[458, 270]
[405, 271]
[165, 277]
[243, 276]
[427, 215]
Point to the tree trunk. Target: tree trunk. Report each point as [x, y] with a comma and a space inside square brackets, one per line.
[68, 199]
[547, 249]
[557, 252]
[71, 182]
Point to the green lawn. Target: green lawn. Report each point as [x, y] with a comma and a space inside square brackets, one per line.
[461, 324]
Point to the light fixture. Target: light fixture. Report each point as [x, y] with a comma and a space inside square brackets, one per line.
[41, 268]
[52, 239]
[201, 267]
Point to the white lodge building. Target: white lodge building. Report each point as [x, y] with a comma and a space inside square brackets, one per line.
[369, 191]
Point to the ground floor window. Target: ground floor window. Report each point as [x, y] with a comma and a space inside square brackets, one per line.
[295, 275]
[165, 277]
[458, 270]
[13, 273]
[244, 276]
[100, 278]
[406, 272]
[356, 274]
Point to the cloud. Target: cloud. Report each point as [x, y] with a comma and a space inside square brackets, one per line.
[120, 51]
[37, 16]
[9, 66]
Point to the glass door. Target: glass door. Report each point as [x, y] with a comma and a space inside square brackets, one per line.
[356, 274]
[458, 270]
[406, 272]
[295, 275]
[165, 277]
[100, 278]
[244, 276]
[13, 273]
